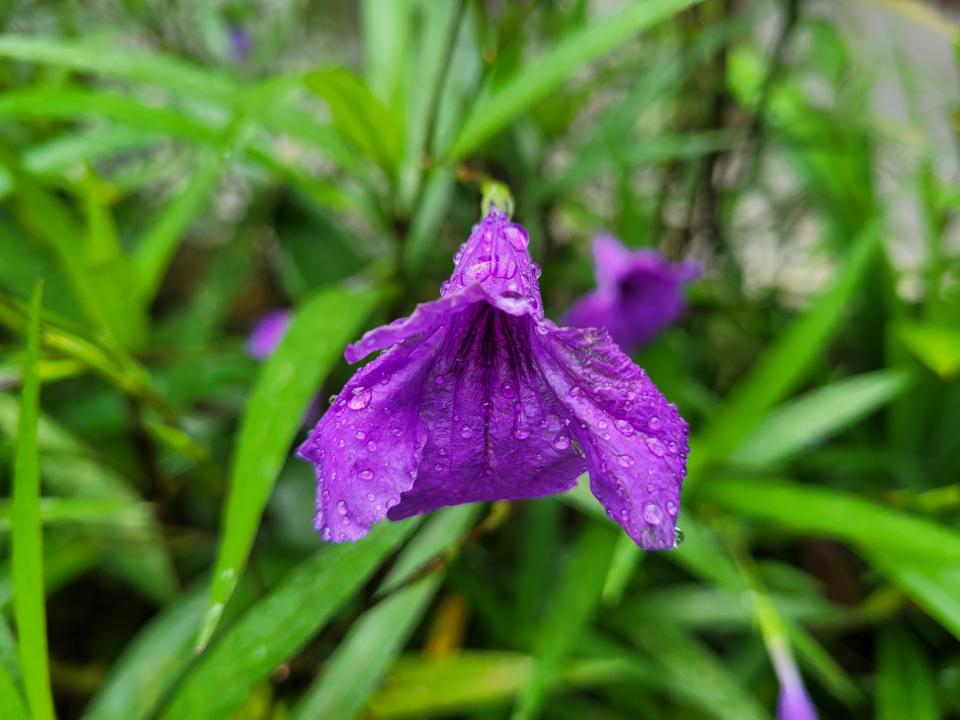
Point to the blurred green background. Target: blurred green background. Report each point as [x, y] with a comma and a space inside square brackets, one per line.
[174, 170]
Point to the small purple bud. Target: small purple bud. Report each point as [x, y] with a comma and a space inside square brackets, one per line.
[267, 333]
[241, 42]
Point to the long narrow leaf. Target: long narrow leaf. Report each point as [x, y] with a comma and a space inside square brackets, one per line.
[27, 551]
[318, 332]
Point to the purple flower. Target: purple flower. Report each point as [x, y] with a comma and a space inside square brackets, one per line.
[793, 703]
[267, 333]
[480, 398]
[639, 292]
[241, 42]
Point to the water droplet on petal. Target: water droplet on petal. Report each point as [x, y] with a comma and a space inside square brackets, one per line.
[371, 497]
[655, 447]
[648, 537]
[602, 424]
[672, 507]
[360, 399]
[342, 507]
[672, 447]
[624, 427]
[521, 433]
[361, 435]
[371, 446]
[325, 534]
[332, 399]
[561, 442]
[366, 474]
[342, 443]
[396, 432]
[438, 467]
[678, 537]
[654, 422]
[517, 237]
[508, 390]
[625, 460]
[465, 432]
[346, 520]
[652, 513]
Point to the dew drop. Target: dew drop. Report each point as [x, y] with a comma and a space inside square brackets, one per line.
[342, 443]
[439, 379]
[508, 390]
[325, 534]
[371, 446]
[332, 399]
[366, 474]
[521, 433]
[396, 432]
[648, 537]
[342, 507]
[654, 422]
[672, 447]
[561, 442]
[360, 399]
[517, 237]
[371, 497]
[361, 435]
[652, 513]
[671, 508]
[655, 447]
[625, 460]
[602, 424]
[624, 427]
[346, 520]
[465, 432]
[678, 537]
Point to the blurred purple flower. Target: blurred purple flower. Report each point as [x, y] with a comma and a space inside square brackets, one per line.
[480, 398]
[793, 703]
[241, 41]
[639, 292]
[267, 333]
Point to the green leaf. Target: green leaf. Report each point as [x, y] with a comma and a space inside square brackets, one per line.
[11, 704]
[359, 115]
[933, 584]
[319, 330]
[27, 540]
[808, 419]
[693, 672]
[936, 346]
[279, 625]
[571, 608]
[839, 515]
[74, 470]
[156, 248]
[905, 684]
[785, 363]
[151, 663]
[552, 68]
[364, 656]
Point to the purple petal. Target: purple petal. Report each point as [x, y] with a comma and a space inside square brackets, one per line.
[638, 293]
[794, 704]
[635, 441]
[492, 420]
[267, 333]
[367, 446]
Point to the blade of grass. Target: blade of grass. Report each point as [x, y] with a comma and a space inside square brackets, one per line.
[571, 607]
[543, 76]
[279, 625]
[839, 515]
[359, 116]
[319, 330]
[27, 539]
[906, 687]
[364, 656]
[783, 365]
[803, 421]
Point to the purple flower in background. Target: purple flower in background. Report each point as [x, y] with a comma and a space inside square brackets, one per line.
[267, 333]
[241, 41]
[793, 702]
[480, 398]
[639, 292]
